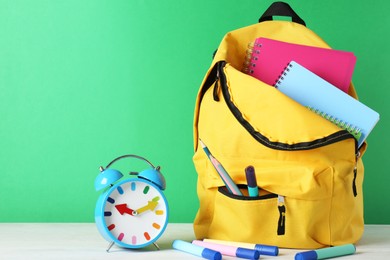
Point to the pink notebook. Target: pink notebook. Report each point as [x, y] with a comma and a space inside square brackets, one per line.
[269, 57]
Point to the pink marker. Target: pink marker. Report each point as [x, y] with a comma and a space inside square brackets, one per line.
[229, 250]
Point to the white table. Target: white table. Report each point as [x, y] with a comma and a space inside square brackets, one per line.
[82, 241]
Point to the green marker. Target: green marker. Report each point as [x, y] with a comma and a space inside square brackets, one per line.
[329, 252]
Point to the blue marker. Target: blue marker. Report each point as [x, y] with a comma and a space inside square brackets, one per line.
[196, 250]
[253, 190]
[329, 252]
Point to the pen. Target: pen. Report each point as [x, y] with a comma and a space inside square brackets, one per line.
[263, 249]
[253, 190]
[196, 250]
[329, 252]
[230, 250]
[229, 183]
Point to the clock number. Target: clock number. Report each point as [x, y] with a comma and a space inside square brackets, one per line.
[159, 212]
[111, 227]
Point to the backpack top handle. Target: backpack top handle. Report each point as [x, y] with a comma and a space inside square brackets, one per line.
[281, 9]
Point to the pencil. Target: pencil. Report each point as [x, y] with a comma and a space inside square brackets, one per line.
[229, 183]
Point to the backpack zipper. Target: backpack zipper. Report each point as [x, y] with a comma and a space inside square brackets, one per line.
[282, 216]
[333, 138]
[354, 189]
[216, 85]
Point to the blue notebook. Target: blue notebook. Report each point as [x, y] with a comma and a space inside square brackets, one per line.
[311, 91]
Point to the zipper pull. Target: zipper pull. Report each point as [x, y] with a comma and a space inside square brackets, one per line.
[282, 216]
[354, 189]
[216, 85]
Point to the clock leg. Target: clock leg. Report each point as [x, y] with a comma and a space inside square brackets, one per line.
[155, 244]
[109, 246]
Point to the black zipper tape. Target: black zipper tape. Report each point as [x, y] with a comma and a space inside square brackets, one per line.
[225, 192]
[282, 220]
[333, 138]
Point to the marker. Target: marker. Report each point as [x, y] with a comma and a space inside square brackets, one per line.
[229, 183]
[329, 252]
[230, 250]
[263, 249]
[253, 190]
[196, 250]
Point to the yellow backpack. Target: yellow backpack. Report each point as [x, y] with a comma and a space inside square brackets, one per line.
[309, 171]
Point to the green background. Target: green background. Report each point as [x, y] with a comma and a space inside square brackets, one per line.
[82, 82]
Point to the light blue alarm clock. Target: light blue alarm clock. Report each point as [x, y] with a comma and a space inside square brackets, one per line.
[132, 212]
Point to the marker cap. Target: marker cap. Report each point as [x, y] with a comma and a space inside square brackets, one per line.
[211, 254]
[250, 176]
[267, 250]
[247, 253]
[196, 250]
[309, 255]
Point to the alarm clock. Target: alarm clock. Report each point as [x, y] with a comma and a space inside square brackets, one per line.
[132, 211]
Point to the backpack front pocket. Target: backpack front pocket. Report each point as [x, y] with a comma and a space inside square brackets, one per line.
[258, 220]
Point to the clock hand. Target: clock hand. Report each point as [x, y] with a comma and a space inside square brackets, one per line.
[122, 208]
[150, 206]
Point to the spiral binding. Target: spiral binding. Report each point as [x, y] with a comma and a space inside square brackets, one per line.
[252, 55]
[282, 74]
[355, 131]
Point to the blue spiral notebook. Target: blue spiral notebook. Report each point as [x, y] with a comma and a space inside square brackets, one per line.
[312, 91]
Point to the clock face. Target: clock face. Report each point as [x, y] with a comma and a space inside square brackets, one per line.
[135, 213]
